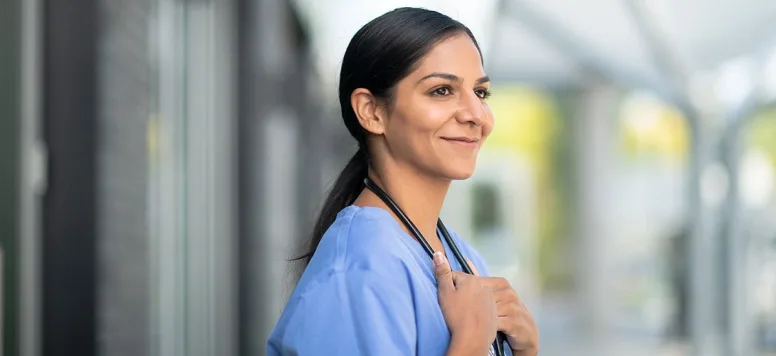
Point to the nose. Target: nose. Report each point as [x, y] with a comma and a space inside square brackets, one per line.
[471, 110]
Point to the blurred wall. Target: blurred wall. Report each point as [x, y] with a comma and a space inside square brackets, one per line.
[69, 120]
[281, 156]
[125, 99]
[10, 89]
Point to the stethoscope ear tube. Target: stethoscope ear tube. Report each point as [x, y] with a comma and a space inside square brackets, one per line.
[498, 344]
[456, 252]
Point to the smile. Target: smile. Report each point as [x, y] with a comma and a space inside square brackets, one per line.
[463, 141]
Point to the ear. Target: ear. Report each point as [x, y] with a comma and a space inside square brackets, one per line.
[368, 111]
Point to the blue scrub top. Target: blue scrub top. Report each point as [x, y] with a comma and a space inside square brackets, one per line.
[369, 289]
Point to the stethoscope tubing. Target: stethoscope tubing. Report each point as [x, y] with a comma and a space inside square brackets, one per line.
[498, 344]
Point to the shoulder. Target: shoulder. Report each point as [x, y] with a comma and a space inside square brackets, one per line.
[360, 240]
[355, 290]
[371, 234]
[360, 255]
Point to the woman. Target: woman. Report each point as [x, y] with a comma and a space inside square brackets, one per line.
[412, 92]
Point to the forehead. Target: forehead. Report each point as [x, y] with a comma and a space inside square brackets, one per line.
[455, 55]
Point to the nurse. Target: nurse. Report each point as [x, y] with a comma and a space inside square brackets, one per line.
[413, 94]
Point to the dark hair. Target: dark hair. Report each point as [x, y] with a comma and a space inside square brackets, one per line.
[381, 53]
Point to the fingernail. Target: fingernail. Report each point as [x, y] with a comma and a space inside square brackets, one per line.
[439, 258]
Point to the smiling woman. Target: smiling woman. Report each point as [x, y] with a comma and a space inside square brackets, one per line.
[413, 94]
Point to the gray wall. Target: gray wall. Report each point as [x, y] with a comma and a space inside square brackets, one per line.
[10, 67]
[125, 85]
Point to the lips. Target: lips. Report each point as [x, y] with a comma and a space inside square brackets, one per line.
[463, 141]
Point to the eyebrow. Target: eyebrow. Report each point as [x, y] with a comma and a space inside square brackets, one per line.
[453, 78]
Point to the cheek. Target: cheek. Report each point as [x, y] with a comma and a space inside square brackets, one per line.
[412, 132]
[489, 123]
[425, 119]
[432, 116]
[418, 121]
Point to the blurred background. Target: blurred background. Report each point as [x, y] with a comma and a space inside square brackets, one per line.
[160, 159]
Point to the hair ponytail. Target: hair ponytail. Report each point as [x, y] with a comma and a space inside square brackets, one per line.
[346, 189]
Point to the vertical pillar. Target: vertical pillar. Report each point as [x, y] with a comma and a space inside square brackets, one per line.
[268, 132]
[10, 64]
[124, 101]
[703, 247]
[192, 181]
[594, 138]
[70, 128]
[32, 184]
[733, 286]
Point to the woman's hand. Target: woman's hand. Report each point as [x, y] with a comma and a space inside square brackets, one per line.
[468, 307]
[514, 318]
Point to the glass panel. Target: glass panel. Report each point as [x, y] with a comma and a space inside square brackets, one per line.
[191, 180]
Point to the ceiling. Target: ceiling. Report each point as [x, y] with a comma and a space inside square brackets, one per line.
[662, 45]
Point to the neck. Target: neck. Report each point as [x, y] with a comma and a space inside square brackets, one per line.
[419, 196]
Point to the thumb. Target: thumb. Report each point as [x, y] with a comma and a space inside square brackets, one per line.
[443, 272]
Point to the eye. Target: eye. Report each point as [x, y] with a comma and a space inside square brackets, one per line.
[442, 91]
[483, 93]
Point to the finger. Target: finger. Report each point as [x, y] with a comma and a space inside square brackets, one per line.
[497, 284]
[507, 325]
[509, 310]
[518, 337]
[515, 310]
[517, 327]
[443, 272]
[502, 290]
[506, 296]
[462, 278]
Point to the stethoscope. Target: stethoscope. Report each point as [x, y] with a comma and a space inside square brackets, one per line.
[498, 344]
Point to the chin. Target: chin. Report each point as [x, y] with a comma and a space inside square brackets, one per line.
[460, 173]
[463, 177]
